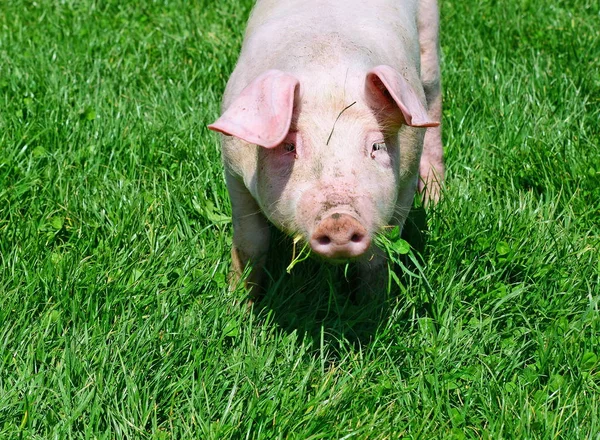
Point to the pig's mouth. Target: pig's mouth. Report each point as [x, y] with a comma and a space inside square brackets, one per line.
[337, 223]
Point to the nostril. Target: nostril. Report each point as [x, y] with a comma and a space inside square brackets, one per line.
[324, 240]
[340, 237]
[356, 238]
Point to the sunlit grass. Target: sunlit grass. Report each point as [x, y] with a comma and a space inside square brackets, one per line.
[115, 316]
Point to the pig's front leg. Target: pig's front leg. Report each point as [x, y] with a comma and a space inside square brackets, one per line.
[373, 274]
[431, 168]
[251, 237]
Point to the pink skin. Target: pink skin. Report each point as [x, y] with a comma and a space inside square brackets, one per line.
[296, 153]
[431, 168]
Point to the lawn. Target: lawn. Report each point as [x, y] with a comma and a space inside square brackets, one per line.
[115, 316]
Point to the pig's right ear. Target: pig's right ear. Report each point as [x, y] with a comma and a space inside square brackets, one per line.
[262, 113]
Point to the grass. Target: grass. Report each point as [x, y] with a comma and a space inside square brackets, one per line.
[115, 317]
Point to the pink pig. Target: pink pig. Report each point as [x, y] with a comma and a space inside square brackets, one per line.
[325, 120]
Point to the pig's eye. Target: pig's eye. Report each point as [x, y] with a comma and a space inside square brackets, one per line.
[378, 146]
[289, 147]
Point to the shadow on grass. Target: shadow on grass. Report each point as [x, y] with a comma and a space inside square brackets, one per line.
[322, 302]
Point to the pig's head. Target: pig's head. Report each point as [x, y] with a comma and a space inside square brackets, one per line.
[330, 166]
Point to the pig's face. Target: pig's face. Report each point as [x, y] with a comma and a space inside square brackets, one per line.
[333, 183]
[326, 170]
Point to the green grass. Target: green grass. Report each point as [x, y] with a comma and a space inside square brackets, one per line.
[115, 316]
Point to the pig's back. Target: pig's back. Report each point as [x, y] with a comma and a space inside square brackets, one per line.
[287, 34]
[316, 16]
[335, 36]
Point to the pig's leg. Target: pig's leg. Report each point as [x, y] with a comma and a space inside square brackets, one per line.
[251, 237]
[373, 275]
[431, 168]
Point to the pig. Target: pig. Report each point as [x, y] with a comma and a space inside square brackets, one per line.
[330, 123]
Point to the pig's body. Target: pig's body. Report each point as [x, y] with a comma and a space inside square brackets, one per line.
[298, 155]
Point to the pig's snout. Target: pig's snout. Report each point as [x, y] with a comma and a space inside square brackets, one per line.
[339, 237]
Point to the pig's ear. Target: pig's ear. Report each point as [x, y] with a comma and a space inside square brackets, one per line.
[386, 86]
[262, 113]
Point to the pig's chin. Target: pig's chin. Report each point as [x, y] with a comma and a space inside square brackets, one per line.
[334, 261]
[302, 244]
[336, 238]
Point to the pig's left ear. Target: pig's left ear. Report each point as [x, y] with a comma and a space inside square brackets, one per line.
[385, 84]
[262, 113]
